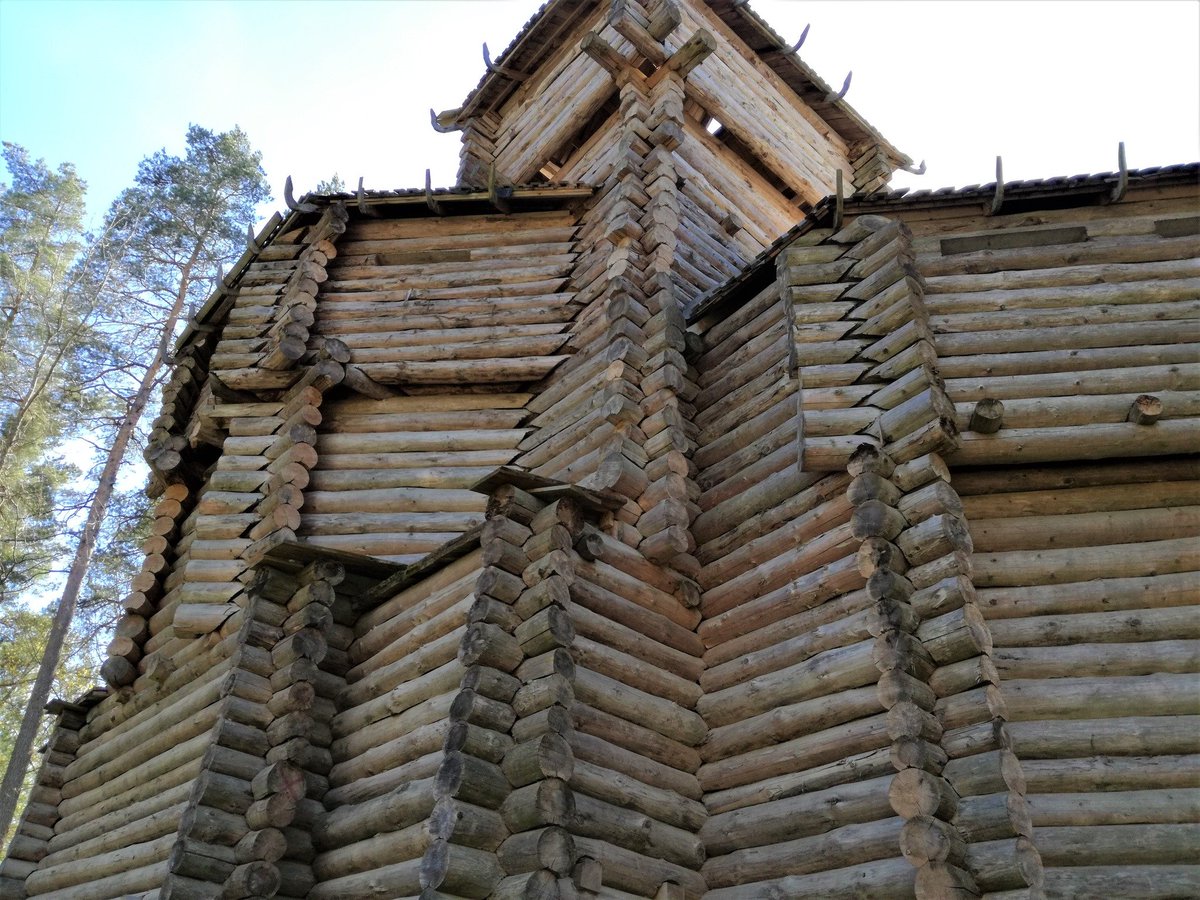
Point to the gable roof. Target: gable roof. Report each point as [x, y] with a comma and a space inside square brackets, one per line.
[540, 37]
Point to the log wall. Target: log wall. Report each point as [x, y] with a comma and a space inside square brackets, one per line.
[826, 426]
[796, 765]
[457, 313]
[388, 737]
[1086, 575]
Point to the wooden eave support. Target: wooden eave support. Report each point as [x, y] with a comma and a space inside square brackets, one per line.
[687, 57]
[548, 489]
[497, 194]
[511, 74]
[456, 548]
[636, 33]
[434, 206]
[604, 53]
[292, 556]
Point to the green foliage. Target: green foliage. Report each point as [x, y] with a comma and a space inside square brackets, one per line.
[47, 331]
[334, 185]
[23, 634]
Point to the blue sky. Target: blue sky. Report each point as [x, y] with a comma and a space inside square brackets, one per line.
[323, 87]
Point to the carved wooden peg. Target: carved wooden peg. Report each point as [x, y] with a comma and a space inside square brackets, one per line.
[434, 206]
[1118, 191]
[987, 417]
[794, 48]
[361, 200]
[251, 243]
[290, 200]
[998, 199]
[501, 70]
[438, 126]
[1145, 410]
[838, 95]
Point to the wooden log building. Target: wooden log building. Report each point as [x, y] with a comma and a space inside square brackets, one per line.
[667, 510]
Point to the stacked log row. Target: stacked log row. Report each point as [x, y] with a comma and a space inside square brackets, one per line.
[133, 776]
[307, 657]
[1067, 323]
[393, 476]
[267, 331]
[477, 155]
[586, 414]
[667, 503]
[797, 764]
[481, 807]
[1086, 575]
[550, 109]
[209, 857]
[459, 300]
[30, 843]
[166, 553]
[389, 734]
[939, 682]
[722, 220]
[636, 736]
[168, 438]
[250, 504]
[798, 760]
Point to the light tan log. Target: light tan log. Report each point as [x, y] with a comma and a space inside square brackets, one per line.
[845, 846]
[1043, 567]
[885, 879]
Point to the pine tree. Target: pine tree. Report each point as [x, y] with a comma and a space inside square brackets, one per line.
[182, 219]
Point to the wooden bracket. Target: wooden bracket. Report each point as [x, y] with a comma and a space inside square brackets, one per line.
[434, 206]
[251, 243]
[998, 199]
[497, 194]
[291, 200]
[686, 58]
[361, 199]
[438, 126]
[636, 33]
[914, 170]
[1122, 184]
[833, 96]
[604, 53]
[512, 74]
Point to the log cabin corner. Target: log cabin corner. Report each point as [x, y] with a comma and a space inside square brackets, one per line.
[666, 510]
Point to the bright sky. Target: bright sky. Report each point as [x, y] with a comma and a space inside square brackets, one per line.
[323, 87]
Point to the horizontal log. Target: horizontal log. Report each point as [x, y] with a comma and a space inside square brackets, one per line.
[804, 752]
[1042, 567]
[888, 878]
[1117, 845]
[846, 846]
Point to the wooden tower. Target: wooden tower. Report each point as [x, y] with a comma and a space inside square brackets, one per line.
[667, 510]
